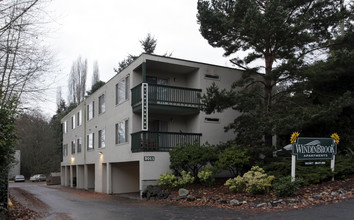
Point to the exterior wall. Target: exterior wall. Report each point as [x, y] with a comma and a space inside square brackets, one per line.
[115, 168]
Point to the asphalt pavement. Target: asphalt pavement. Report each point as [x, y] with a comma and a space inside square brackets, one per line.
[55, 203]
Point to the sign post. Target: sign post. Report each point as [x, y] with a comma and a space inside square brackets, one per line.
[313, 149]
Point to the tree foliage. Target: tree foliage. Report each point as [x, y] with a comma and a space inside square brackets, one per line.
[77, 81]
[96, 73]
[191, 158]
[37, 144]
[148, 45]
[286, 36]
[96, 86]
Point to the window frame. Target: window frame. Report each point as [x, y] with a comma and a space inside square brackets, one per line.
[124, 123]
[101, 104]
[79, 145]
[125, 83]
[73, 147]
[91, 110]
[90, 140]
[102, 141]
[73, 122]
[79, 118]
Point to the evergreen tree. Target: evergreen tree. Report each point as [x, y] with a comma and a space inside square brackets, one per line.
[284, 35]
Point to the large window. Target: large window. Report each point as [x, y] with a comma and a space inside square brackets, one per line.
[72, 147]
[122, 132]
[101, 104]
[79, 118]
[101, 138]
[65, 127]
[90, 110]
[73, 123]
[78, 145]
[90, 141]
[122, 90]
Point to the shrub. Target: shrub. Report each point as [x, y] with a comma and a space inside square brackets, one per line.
[236, 184]
[232, 158]
[256, 181]
[206, 176]
[170, 181]
[284, 187]
[192, 158]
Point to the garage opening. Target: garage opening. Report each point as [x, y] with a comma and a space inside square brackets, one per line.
[90, 176]
[80, 177]
[125, 177]
[74, 179]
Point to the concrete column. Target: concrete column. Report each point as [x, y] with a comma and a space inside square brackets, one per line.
[85, 177]
[77, 176]
[144, 71]
[71, 176]
[109, 179]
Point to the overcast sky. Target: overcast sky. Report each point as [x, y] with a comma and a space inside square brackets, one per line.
[109, 30]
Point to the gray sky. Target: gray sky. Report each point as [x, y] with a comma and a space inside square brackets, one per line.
[109, 30]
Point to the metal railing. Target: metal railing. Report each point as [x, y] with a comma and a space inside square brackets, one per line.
[162, 141]
[168, 95]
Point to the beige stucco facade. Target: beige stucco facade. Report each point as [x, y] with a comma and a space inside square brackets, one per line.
[129, 158]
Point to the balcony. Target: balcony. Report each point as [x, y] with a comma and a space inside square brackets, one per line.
[162, 97]
[161, 141]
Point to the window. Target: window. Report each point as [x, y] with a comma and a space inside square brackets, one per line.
[215, 120]
[101, 138]
[65, 150]
[79, 118]
[90, 141]
[122, 132]
[73, 122]
[122, 90]
[210, 76]
[72, 147]
[90, 110]
[65, 127]
[101, 104]
[78, 145]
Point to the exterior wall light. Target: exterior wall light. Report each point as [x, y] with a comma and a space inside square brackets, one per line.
[100, 153]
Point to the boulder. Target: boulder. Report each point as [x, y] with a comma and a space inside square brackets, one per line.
[183, 192]
[235, 202]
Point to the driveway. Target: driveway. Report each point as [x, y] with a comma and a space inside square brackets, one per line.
[55, 202]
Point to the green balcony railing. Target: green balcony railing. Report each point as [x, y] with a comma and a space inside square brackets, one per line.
[162, 141]
[168, 95]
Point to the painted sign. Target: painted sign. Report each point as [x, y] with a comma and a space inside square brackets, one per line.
[149, 158]
[314, 148]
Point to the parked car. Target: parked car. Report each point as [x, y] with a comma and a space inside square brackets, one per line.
[19, 178]
[38, 178]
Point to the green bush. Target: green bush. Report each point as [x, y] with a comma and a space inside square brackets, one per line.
[170, 181]
[192, 158]
[166, 180]
[206, 176]
[256, 181]
[344, 167]
[234, 159]
[284, 187]
[236, 184]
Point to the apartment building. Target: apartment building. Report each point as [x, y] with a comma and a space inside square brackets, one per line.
[117, 140]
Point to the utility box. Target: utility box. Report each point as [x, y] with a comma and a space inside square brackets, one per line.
[54, 179]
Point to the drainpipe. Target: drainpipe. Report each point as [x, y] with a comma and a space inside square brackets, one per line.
[84, 145]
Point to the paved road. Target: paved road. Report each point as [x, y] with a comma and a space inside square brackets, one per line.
[54, 203]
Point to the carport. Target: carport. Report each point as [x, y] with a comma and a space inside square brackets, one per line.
[125, 177]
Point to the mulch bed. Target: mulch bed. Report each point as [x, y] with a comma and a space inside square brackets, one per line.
[313, 195]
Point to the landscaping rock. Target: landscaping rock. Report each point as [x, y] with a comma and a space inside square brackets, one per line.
[342, 191]
[260, 205]
[172, 197]
[183, 192]
[214, 198]
[277, 202]
[334, 193]
[317, 196]
[221, 201]
[181, 197]
[190, 198]
[151, 191]
[163, 195]
[235, 202]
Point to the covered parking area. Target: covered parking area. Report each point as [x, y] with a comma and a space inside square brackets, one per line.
[125, 177]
